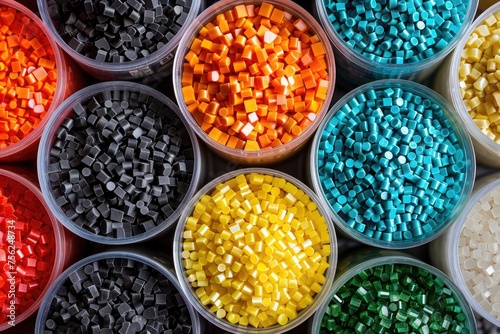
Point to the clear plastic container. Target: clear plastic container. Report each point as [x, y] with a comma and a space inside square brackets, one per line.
[67, 246]
[358, 69]
[469, 165]
[266, 156]
[65, 111]
[68, 81]
[448, 244]
[364, 259]
[446, 83]
[190, 291]
[142, 256]
[156, 64]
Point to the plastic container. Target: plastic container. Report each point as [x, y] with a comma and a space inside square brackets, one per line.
[357, 69]
[156, 65]
[448, 244]
[194, 300]
[66, 246]
[68, 81]
[162, 104]
[447, 84]
[366, 259]
[241, 156]
[350, 108]
[139, 256]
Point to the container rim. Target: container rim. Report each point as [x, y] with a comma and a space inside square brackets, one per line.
[381, 68]
[485, 185]
[456, 99]
[459, 129]
[63, 111]
[261, 156]
[59, 94]
[395, 258]
[189, 291]
[136, 255]
[59, 241]
[117, 68]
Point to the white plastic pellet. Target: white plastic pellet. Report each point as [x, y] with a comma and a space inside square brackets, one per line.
[490, 270]
[479, 252]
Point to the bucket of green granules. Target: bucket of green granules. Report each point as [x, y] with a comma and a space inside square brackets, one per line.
[384, 291]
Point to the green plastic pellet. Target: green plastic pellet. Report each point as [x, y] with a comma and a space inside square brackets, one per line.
[401, 316]
[366, 318]
[360, 328]
[386, 323]
[402, 327]
[422, 311]
[416, 323]
[354, 305]
[422, 299]
[384, 312]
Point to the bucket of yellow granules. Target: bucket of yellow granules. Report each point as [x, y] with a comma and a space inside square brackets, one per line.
[470, 79]
[255, 251]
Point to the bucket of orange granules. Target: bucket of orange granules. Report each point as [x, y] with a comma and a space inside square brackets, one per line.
[34, 79]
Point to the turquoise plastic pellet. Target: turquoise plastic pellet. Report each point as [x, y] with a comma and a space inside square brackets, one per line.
[379, 30]
[419, 168]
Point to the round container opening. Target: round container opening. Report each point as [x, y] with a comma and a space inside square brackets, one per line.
[117, 291]
[117, 163]
[120, 41]
[393, 164]
[37, 75]
[469, 85]
[244, 258]
[394, 292]
[254, 94]
[472, 245]
[33, 248]
[394, 40]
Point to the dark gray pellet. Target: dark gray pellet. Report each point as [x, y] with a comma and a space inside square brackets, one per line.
[122, 311]
[123, 154]
[96, 27]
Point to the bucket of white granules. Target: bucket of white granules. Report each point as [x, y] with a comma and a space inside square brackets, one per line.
[473, 251]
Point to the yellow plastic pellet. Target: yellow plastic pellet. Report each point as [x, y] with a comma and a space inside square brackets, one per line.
[479, 75]
[264, 260]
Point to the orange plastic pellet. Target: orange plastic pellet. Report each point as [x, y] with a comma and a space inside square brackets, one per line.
[259, 60]
[28, 76]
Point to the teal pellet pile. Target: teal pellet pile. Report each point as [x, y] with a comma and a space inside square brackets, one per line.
[394, 298]
[391, 165]
[397, 31]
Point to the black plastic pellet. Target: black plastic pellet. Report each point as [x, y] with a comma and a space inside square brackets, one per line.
[135, 151]
[119, 309]
[96, 27]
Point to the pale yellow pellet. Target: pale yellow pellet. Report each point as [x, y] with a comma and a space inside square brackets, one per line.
[479, 76]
